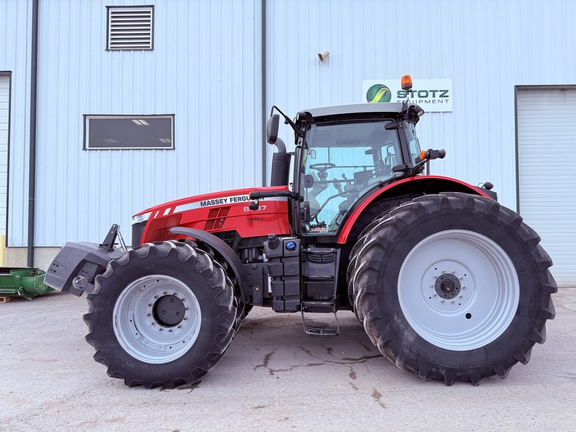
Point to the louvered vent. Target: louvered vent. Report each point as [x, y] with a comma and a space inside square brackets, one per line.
[130, 28]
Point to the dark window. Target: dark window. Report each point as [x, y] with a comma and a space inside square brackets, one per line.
[130, 28]
[104, 132]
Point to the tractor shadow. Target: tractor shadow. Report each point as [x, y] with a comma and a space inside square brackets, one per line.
[277, 344]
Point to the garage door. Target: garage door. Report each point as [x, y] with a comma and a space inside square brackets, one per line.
[546, 120]
[4, 122]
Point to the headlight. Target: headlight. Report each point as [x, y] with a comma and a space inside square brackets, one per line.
[141, 218]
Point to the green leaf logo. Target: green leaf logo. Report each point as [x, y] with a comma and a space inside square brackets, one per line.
[378, 93]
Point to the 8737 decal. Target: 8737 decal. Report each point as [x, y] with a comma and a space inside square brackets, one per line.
[260, 208]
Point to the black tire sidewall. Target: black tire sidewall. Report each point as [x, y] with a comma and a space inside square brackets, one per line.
[410, 344]
[213, 302]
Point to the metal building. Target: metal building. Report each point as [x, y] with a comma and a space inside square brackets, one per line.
[110, 106]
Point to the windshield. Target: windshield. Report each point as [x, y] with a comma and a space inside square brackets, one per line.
[343, 161]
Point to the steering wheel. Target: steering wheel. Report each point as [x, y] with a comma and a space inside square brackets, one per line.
[322, 167]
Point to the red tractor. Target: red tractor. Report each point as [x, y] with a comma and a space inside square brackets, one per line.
[447, 283]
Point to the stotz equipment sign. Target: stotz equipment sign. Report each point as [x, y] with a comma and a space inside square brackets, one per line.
[434, 95]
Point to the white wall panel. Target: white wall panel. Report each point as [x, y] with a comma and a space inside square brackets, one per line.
[15, 19]
[204, 69]
[485, 47]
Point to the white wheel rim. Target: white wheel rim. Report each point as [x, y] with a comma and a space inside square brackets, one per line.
[458, 290]
[140, 322]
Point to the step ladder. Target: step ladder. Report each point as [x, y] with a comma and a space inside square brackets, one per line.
[320, 309]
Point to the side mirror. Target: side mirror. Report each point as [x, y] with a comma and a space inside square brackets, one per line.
[272, 128]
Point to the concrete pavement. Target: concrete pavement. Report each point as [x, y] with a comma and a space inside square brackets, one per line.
[273, 377]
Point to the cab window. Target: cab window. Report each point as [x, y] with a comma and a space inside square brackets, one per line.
[413, 143]
[343, 162]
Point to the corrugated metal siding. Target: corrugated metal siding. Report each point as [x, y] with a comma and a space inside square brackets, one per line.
[485, 46]
[15, 17]
[204, 69]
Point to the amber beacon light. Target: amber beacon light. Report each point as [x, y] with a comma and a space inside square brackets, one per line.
[406, 82]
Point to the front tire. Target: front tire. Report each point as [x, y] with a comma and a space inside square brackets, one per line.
[452, 287]
[161, 315]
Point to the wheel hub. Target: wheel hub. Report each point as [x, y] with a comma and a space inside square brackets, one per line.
[169, 311]
[447, 286]
[157, 319]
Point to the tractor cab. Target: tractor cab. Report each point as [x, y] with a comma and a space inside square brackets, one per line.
[345, 153]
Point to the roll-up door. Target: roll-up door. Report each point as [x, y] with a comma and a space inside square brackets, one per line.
[4, 124]
[546, 122]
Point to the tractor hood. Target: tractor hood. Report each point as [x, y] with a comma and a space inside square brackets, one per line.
[219, 212]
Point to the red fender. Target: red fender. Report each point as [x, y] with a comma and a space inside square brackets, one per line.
[425, 184]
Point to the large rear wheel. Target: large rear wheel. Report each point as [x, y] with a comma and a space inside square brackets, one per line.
[452, 287]
[161, 315]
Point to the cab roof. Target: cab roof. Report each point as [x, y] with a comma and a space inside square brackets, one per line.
[365, 108]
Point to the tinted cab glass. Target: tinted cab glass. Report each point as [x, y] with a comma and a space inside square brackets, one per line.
[342, 162]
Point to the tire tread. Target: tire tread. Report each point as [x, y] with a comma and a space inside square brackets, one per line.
[377, 243]
[216, 279]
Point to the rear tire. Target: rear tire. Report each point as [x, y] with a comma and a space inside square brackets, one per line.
[452, 287]
[161, 315]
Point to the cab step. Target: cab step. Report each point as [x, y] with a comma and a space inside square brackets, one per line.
[319, 327]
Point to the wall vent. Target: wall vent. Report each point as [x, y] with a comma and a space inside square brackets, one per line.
[130, 28]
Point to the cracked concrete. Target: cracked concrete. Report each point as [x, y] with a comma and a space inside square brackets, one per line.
[273, 377]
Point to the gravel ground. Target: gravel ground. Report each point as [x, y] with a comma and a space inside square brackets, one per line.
[273, 377]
